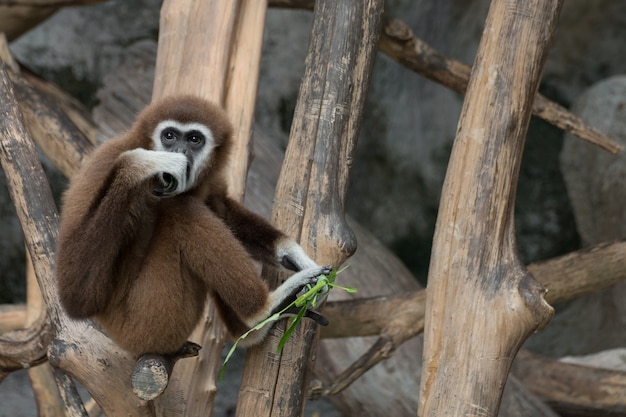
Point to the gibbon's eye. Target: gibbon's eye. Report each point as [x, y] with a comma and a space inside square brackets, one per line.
[168, 135]
[195, 138]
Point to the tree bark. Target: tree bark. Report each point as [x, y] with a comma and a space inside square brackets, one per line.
[47, 396]
[310, 195]
[573, 390]
[78, 347]
[482, 303]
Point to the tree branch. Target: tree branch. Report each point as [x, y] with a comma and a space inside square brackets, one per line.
[399, 318]
[78, 347]
[19, 16]
[573, 389]
[24, 348]
[399, 42]
[481, 302]
[310, 195]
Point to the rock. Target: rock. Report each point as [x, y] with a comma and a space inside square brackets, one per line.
[596, 185]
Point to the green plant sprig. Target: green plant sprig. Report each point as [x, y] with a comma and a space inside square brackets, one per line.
[307, 300]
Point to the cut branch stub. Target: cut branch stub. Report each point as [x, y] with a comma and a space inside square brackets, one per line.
[481, 303]
[152, 372]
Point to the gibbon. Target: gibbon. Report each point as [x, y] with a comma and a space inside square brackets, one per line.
[148, 232]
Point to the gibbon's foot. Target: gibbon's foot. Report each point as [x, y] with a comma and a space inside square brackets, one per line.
[188, 350]
[316, 317]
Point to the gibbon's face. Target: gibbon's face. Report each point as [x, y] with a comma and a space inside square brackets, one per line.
[194, 140]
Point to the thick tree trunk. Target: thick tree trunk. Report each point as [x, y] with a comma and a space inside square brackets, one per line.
[310, 195]
[482, 303]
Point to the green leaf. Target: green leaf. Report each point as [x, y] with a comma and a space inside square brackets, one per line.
[290, 329]
[304, 302]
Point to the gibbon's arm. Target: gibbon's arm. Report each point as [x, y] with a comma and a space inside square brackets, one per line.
[106, 207]
[262, 240]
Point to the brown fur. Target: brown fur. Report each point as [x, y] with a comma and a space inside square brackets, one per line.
[143, 265]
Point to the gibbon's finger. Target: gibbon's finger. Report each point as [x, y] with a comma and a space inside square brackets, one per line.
[313, 315]
[316, 317]
[166, 184]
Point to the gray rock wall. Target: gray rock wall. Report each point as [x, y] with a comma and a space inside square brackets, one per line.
[410, 122]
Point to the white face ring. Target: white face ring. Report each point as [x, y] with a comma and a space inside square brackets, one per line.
[201, 159]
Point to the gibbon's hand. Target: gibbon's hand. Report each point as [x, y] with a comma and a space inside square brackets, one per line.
[172, 179]
[166, 171]
[165, 184]
[313, 275]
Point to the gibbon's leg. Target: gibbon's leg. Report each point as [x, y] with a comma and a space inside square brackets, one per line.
[212, 252]
[163, 303]
[262, 240]
[108, 206]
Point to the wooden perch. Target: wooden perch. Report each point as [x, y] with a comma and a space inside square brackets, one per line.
[482, 303]
[24, 348]
[573, 390]
[399, 318]
[565, 277]
[399, 42]
[225, 73]
[310, 195]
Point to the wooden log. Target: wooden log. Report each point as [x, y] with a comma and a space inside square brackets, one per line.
[45, 390]
[12, 317]
[19, 16]
[186, 29]
[242, 83]
[310, 196]
[573, 390]
[565, 277]
[152, 372]
[50, 127]
[482, 303]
